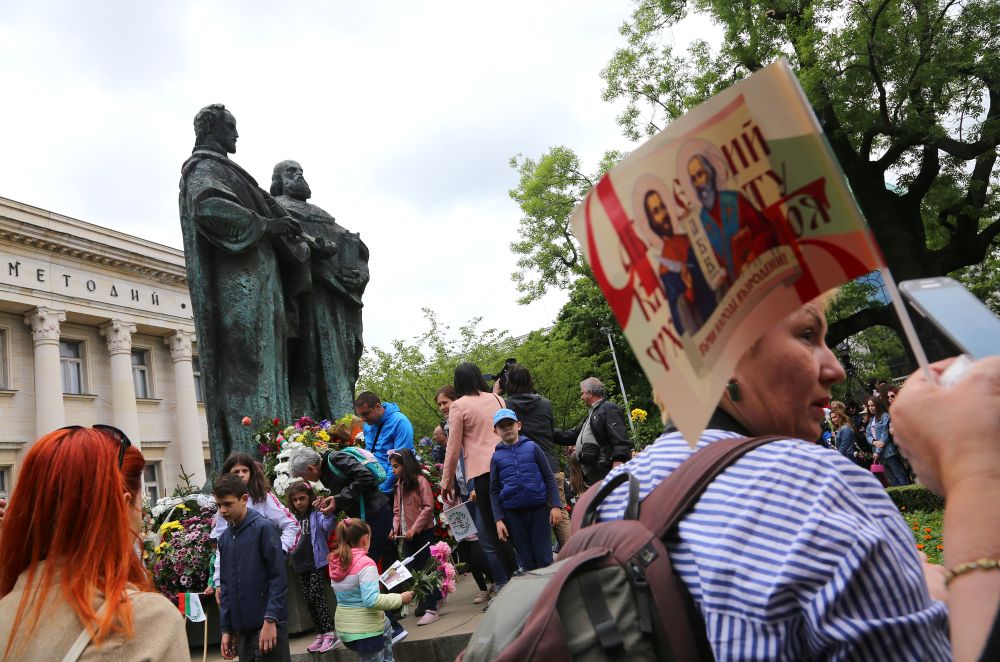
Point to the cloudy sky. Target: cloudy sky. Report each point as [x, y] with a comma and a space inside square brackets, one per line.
[403, 115]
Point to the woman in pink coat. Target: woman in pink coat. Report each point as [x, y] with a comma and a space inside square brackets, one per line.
[471, 436]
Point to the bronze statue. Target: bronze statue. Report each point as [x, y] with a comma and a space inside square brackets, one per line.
[232, 231]
[325, 300]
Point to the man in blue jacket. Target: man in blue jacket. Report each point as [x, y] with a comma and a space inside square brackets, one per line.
[523, 492]
[253, 606]
[386, 428]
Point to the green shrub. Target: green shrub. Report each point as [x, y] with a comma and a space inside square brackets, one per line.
[911, 498]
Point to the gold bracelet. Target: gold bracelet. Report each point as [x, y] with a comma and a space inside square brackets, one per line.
[962, 568]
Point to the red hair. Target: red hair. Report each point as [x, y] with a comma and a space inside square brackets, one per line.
[67, 509]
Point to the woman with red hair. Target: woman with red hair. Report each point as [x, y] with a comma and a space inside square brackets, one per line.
[68, 552]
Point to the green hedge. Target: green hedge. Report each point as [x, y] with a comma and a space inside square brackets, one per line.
[911, 498]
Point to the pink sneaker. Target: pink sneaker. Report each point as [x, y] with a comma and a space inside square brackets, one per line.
[330, 641]
[315, 645]
[429, 617]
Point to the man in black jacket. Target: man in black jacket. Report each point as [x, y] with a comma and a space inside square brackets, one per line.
[601, 440]
[535, 414]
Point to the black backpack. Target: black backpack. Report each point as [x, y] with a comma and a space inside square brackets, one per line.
[613, 594]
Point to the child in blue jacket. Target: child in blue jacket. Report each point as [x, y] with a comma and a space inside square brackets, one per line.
[253, 608]
[523, 492]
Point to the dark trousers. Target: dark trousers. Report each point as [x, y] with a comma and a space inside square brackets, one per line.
[382, 550]
[895, 473]
[381, 524]
[420, 562]
[531, 533]
[246, 646]
[471, 555]
[498, 554]
[312, 589]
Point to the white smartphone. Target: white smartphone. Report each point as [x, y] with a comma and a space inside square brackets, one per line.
[956, 312]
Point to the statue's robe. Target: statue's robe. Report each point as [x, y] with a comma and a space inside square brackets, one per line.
[325, 354]
[239, 308]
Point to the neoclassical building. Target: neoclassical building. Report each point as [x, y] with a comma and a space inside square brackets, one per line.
[96, 327]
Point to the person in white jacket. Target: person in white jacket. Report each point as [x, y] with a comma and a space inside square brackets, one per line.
[262, 499]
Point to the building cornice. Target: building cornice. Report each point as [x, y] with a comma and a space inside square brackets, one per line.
[42, 237]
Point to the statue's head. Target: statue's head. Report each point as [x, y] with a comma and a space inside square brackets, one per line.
[287, 179]
[215, 127]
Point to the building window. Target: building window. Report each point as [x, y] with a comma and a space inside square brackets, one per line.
[71, 361]
[196, 369]
[151, 477]
[4, 382]
[140, 373]
[4, 482]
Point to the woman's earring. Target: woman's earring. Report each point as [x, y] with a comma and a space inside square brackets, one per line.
[733, 389]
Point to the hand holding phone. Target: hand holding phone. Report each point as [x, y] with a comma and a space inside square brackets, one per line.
[957, 313]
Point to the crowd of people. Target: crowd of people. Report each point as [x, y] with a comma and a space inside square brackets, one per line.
[815, 563]
[865, 435]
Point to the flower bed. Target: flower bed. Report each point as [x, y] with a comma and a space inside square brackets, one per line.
[926, 527]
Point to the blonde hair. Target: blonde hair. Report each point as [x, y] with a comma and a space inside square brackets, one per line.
[840, 409]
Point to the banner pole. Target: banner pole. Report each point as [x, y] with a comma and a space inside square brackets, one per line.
[204, 641]
[904, 319]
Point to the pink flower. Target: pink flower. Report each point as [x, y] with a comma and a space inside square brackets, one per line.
[447, 586]
[246, 420]
[449, 572]
[441, 552]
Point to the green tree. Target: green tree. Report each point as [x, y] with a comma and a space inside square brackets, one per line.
[547, 192]
[906, 91]
[410, 371]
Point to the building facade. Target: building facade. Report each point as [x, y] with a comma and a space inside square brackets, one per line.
[96, 327]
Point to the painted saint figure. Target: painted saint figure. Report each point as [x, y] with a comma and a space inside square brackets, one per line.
[690, 298]
[738, 232]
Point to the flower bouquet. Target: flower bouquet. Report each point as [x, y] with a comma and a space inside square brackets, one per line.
[276, 441]
[439, 573]
[177, 549]
[347, 428]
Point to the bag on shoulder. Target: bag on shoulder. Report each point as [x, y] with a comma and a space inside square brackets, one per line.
[366, 458]
[613, 594]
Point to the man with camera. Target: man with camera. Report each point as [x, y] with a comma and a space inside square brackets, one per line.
[601, 440]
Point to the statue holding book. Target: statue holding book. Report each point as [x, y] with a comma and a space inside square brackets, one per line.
[323, 297]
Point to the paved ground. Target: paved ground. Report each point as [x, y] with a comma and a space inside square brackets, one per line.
[440, 640]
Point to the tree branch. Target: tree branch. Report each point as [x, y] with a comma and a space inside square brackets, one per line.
[875, 316]
[930, 166]
[883, 106]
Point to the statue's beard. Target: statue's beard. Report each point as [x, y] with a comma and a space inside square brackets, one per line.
[707, 195]
[297, 188]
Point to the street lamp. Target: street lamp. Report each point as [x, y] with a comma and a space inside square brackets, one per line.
[621, 384]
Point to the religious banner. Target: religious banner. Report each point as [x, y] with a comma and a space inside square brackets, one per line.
[722, 224]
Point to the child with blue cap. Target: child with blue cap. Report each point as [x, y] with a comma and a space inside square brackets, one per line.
[523, 493]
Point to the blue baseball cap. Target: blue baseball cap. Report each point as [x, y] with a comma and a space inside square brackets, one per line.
[504, 414]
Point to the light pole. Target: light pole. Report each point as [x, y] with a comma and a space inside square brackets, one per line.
[621, 384]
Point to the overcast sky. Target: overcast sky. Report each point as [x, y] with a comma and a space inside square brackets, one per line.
[403, 115]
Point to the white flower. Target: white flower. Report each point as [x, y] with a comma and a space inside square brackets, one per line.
[281, 483]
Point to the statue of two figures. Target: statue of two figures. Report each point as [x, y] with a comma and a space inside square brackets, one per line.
[276, 287]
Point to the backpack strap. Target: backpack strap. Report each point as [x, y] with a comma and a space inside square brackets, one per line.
[591, 500]
[669, 501]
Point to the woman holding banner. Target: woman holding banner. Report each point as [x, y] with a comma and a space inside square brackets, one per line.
[794, 552]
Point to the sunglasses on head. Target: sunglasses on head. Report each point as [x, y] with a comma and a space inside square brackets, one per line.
[116, 434]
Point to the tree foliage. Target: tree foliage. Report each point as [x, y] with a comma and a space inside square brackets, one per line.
[906, 91]
[547, 192]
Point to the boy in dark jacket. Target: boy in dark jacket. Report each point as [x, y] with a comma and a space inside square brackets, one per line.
[523, 492]
[254, 587]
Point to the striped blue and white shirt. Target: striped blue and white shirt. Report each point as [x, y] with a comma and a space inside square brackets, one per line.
[796, 553]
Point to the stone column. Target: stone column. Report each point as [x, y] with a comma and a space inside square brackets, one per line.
[50, 414]
[188, 423]
[125, 413]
